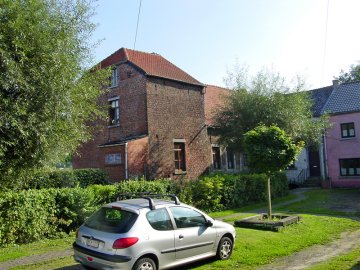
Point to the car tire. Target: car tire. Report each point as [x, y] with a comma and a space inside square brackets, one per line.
[145, 264]
[224, 249]
[87, 267]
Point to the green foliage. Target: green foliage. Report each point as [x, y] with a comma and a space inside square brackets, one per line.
[30, 215]
[26, 216]
[206, 193]
[269, 100]
[55, 178]
[46, 92]
[270, 149]
[244, 189]
[74, 205]
[161, 186]
[352, 75]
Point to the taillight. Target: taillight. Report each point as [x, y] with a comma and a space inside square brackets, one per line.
[125, 242]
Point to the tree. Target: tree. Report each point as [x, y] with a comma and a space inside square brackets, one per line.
[269, 100]
[352, 75]
[269, 150]
[47, 92]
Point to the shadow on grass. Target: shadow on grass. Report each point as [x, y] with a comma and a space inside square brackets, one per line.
[356, 266]
[72, 267]
[183, 267]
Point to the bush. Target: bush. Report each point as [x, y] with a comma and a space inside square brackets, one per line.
[26, 216]
[61, 178]
[87, 177]
[161, 186]
[205, 193]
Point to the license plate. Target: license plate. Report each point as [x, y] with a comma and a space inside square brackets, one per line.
[92, 243]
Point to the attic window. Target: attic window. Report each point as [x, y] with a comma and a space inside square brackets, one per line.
[114, 77]
[129, 73]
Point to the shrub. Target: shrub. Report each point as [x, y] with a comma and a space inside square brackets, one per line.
[73, 206]
[161, 186]
[206, 193]
[26, 216]
[61, 178]
[87, 177]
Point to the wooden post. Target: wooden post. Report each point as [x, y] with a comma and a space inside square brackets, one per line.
[269, 198]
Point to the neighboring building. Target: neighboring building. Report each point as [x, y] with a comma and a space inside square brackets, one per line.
[156, 124]
[337, 160]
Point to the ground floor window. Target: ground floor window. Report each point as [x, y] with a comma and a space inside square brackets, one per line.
[230, 158]
[113, 159]
[179, 157]
[349, 166]
[216, 157]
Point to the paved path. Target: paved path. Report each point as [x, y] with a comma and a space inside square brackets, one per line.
[36, 258]
[317, 254]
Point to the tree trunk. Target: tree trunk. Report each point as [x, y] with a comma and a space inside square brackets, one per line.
[269, 198]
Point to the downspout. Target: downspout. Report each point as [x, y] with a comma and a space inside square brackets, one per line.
[126, 161]
[326, 161]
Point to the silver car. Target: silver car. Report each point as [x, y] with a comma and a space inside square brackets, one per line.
[150, 233]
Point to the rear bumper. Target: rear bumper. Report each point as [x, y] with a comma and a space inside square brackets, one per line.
[100, 260]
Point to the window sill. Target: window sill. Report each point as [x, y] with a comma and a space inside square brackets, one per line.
[347, 138]
[349, 177]
[178, 172]
[114, 126]
[113, 86]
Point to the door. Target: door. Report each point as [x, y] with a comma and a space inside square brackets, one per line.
[193, 235]
[314, 163]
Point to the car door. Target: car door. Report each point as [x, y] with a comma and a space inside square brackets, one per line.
[193, 234]
[163, 235]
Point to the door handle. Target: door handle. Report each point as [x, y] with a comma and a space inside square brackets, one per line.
[181, 236]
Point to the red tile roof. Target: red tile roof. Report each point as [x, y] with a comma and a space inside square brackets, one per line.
[151, 64]
[214, 100]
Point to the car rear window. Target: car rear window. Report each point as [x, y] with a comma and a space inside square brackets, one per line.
[112, 220]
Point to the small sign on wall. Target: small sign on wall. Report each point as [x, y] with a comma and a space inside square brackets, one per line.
[113, 159]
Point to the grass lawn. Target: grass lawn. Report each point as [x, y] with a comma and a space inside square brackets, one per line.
[47, 245]
[253, 248]
[347, 261]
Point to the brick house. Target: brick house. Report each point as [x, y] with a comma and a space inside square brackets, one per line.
[156, 124]
[337, 161]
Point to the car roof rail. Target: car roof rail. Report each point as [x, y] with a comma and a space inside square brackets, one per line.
[149, 196]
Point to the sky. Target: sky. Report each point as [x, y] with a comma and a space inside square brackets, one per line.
[315, 39]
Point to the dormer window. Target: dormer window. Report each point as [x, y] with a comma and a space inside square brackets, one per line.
[114, 77]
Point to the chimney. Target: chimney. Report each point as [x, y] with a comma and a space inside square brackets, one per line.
[335, 82]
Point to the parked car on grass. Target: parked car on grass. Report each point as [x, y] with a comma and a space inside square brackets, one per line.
[149, 232]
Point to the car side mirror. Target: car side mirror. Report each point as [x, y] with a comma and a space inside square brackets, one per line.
[209, 223]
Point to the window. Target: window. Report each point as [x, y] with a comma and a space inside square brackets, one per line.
[112, 220]
[114, 77]
[216, 157]
[159, 219]
[350, 166]
[113, 159]
[114, 112]
[230, 158]
[347, 130]
[179, 153]
[186, 217]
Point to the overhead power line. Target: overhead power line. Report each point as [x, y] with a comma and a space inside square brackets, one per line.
[137, 24]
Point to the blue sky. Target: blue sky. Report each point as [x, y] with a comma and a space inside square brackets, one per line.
[208, 37]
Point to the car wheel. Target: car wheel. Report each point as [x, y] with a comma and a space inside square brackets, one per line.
[224, 249]
[145, 264]
[87, 267]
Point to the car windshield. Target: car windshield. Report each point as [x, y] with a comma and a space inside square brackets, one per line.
[112, 220]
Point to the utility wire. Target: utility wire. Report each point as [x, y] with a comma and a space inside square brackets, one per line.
[137, 24]
[325, 41]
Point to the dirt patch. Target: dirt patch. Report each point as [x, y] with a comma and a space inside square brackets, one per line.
[317, 254]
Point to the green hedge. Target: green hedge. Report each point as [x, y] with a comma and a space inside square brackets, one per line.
[31, 215]
[60, 178]
[220, 191]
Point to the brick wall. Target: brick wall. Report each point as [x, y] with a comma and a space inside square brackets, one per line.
[176, 111]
